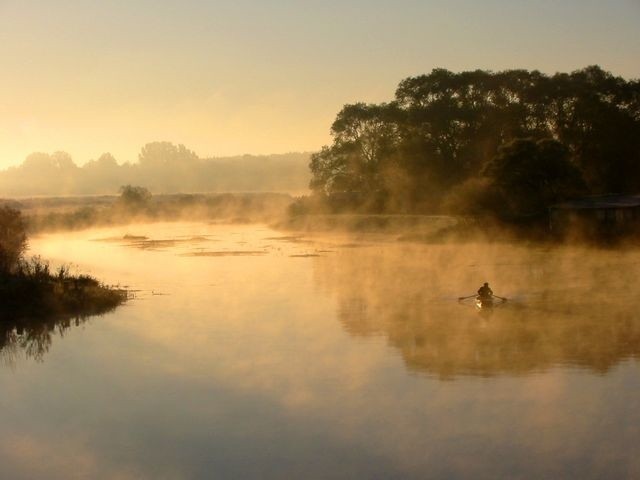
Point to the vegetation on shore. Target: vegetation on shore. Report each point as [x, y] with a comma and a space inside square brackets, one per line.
[162, 166]
[28, 288]
[504, 145]
[137, 204]
[33, 289]
[495, 150]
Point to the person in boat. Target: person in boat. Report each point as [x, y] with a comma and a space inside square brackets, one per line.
[485, 292]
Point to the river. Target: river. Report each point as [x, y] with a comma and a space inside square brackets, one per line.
[252, 353]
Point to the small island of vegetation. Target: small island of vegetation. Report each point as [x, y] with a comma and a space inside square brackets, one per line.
[29, 289]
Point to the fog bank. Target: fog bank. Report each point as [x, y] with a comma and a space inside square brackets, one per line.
[161, 167]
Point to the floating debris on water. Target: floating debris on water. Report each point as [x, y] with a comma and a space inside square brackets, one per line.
[352, 245]
[224, 253]
[146, 243]
[291, 239]
[134, 237]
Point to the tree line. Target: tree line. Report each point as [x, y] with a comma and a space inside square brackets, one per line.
[163, 167]
[508, 143]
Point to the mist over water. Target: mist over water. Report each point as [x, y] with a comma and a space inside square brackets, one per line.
[252, 353]
[566, 306]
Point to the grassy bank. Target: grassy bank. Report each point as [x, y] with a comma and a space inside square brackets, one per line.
[371, 223]
[419, 228]
[33, 290]
[36, 305]
[75, 213]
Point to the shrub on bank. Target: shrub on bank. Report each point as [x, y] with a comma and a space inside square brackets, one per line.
[13, 238]
[28, 287]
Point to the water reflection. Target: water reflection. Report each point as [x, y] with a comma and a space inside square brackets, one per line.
[33, 336]
[244, 370]
[568, 307]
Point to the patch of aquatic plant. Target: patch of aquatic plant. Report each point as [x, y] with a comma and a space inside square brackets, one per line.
[225, 253]
[34, 289]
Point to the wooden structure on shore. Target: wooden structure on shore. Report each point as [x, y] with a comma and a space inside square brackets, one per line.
[597, 215]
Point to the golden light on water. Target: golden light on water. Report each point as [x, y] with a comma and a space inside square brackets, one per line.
[269, 336]
[361, 347]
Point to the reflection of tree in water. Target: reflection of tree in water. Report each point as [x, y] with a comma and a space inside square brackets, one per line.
[563, 317]
[31, 336]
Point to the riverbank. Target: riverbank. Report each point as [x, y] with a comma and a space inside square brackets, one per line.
[49, 214]
[35, 291]
[462, 229]
[420, 228]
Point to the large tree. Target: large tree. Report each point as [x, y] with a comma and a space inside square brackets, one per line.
[531, 175]
[443, 128]
[365, 140]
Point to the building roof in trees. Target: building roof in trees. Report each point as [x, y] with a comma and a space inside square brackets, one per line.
[600, 202]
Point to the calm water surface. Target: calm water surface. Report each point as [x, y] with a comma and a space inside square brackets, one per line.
[248, 353]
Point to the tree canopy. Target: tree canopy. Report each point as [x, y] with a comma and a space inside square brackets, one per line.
[539, 171]
[159, 153]
[445, 129]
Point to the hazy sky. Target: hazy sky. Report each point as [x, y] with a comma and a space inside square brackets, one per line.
[263, 76]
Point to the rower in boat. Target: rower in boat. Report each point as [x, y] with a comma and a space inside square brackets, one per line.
[485, 296]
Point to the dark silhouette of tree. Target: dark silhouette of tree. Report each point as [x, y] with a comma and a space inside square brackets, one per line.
[455, 122]
[599, 119]
[136, 197]
[365, 138]
[531, 175]
[13, 239]
[443, 128]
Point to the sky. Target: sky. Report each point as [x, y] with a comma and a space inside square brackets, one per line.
[229, 77]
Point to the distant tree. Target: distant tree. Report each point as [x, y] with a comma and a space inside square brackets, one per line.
[164, 153]
[63, 161]
[58, 162]
[168, 167]
[531, 175]
[102, 175]
[43, 172]
[104, 161]
[13, 239]
[134, 196]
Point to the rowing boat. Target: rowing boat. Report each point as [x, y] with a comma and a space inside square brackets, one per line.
[484, 303]
[487, 303]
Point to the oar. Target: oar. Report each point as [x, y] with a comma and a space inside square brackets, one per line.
[501, 298]
[463, 298]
